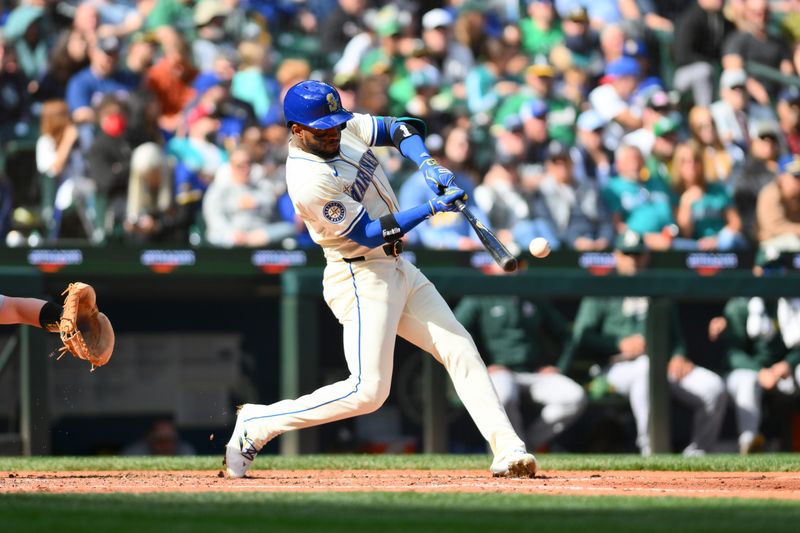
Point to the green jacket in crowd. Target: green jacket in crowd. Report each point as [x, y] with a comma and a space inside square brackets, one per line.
[758, 353]
[514, 331]
[601, 323]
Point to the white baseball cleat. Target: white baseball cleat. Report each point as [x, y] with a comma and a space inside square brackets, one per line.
[516, 463]
[241, 450]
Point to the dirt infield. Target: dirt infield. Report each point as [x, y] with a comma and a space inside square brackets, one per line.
[766, 485]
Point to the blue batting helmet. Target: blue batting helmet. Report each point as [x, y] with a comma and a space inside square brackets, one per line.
[314, 104]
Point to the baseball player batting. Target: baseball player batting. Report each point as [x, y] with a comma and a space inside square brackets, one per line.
[344, 197]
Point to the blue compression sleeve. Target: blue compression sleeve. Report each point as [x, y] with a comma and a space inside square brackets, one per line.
[368, 232]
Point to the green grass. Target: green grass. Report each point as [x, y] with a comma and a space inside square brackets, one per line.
[387, 512]
[715, 463]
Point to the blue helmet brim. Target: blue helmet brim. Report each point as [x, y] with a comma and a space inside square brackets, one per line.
[331, 121]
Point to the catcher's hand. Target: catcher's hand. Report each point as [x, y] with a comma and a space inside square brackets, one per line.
[85, 331]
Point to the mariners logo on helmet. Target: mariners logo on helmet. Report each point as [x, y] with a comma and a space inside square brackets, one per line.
[334, 211]
[333, 104]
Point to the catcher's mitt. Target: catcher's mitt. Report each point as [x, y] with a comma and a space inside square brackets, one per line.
[85, 331]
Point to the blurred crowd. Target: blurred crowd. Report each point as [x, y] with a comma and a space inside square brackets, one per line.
[161, 120]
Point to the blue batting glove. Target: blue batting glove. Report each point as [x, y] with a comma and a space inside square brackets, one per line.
[436, 176]
[446, 201]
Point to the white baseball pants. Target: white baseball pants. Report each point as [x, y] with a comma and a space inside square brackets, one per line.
[375, 300]
[746, 394]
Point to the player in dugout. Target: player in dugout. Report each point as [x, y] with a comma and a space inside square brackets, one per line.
[612, 331]
[338, 188]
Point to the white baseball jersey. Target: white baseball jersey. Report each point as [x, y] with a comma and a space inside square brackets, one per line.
[332, 195]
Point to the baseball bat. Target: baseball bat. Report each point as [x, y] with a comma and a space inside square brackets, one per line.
[490, 241]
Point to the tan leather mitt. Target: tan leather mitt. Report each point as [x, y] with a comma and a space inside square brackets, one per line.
[85, 331]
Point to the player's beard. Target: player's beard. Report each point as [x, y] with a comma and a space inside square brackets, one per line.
[325, 154]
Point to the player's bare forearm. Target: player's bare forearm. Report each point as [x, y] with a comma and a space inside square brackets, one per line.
[21, 311]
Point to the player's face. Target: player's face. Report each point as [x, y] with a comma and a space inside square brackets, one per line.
[323, 143]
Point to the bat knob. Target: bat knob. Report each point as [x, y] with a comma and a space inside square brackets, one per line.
[509, 265]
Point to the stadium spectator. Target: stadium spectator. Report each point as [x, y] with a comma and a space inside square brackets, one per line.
[592, 161]
[385, 56]
[575, 210]
[14, 98]
[69, 55]
[170, 81]
[611, 331]
[290, 72]
[656, 107]
[534, 114]
[140, 55]
[612, 100]
[778, 208]
[109, 160]
[504, 197]
[453, 59]
[752, 43]
[425, 82]
[215, 99]
[762, 344]
[788, 111]
[541, 30]
[581, 45]
[657, 163]
[23, 29]
[121, 19]
[143, 114]
[720, 162]
[62, 167]
[101, 78]
[540, 84]
[699, 34]
[85, 21]
[486, 83]
[760, 168]
[170, 15]
[639, 205]
[471, 27]
[250, 83]
[341, 26]
[150, 215]
[514, 334]
[705, 213]
[734, 115]
[197, 159]
[240, 206]
[612, 43]
[209, 20]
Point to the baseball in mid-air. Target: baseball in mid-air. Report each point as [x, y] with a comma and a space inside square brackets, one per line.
[539, 247]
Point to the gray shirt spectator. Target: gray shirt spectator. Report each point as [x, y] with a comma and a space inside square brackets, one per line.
[576, 211]
[240, 206]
